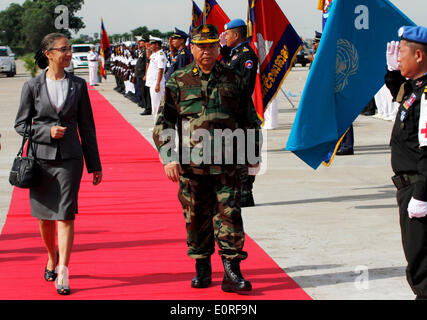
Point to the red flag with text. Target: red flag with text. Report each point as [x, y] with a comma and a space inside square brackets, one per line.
[276, 43]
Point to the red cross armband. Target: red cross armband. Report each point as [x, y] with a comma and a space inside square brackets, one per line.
[422, 131]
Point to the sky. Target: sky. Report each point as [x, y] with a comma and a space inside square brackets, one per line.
[125, 15]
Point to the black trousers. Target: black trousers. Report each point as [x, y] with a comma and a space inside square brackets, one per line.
[347, 142]
[414, 240]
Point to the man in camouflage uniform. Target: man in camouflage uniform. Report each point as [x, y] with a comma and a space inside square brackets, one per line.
[240, 57]
[201, 99]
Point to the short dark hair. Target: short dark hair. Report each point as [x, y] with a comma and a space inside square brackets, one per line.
[49, 40]
[416, 45]
[46, 44]
[243, 31]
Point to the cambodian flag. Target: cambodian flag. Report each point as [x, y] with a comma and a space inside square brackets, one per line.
[104, 50]
[276, 43]
[213, 14]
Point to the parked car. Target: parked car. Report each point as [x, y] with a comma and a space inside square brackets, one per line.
[7, 61]
[70, 68]
[302, 55]
[80, 52]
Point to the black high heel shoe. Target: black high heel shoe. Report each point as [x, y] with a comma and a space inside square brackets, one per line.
[50, 275]
[63, 288]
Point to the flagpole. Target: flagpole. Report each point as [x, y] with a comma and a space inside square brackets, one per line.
[204, 13]
[192, 11]
[293, 106]
[249, 32]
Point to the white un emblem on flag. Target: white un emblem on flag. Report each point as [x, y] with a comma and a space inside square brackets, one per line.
[347, 63]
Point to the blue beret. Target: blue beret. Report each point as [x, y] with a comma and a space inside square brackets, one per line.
[235, 24]
[415, 34]
[179, 34]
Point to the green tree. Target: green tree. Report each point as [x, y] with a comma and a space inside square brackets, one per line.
[26, 25]
[11, 25]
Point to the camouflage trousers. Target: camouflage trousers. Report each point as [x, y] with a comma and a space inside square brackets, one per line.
[212, 213]
[247, 181]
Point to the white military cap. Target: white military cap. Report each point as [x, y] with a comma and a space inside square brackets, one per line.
[155, 39]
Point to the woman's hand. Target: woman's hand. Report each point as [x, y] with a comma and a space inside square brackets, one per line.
[97, 177]
[57, 132]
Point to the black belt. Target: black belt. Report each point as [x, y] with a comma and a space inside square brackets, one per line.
[404, 180]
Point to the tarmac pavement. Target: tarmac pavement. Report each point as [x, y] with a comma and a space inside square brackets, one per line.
[334, 230]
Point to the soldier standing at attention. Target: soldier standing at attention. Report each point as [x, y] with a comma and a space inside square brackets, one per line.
[407, 80]
[202, 98]
[155, 76]
[182, 57]
[239, 55]
[140, 69]
[92, 59]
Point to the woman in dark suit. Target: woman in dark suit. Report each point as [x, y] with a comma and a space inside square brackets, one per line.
[58, 106]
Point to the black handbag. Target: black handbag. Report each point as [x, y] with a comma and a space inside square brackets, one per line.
[25, 172]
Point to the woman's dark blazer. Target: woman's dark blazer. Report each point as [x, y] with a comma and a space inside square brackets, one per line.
[77, 113]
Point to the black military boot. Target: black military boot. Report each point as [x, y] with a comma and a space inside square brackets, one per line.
[203, 276]
[146, 112]
[233, 280]
[247, 199]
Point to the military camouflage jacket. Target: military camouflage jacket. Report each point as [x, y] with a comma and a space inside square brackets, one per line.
[211, 113]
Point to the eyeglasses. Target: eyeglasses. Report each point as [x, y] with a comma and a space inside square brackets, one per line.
[62, 49]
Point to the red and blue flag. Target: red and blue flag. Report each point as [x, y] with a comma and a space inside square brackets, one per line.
[104, 50]
[213, 14]
[276, 43]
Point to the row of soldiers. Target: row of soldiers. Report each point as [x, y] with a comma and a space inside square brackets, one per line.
[123, 63]
[129, 65]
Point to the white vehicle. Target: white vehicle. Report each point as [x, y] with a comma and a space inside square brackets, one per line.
[80, 52]
[7, 61]
[70, 68]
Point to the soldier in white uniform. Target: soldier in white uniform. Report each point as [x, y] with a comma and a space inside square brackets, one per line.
[92, 59]
[271, 115]
[155, 77]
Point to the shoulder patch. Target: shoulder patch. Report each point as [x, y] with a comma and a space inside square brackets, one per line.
[249, 64]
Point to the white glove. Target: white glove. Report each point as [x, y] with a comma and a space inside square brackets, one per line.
[417, 208]
[222, 40]
[392, 55]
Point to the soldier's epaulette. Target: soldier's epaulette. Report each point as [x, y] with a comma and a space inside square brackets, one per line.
[183, 52]
[245, 50]
[425, 92]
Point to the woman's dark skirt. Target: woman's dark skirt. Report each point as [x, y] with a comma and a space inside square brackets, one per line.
[56, 196]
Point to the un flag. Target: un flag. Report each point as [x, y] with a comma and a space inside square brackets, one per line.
[347, 71]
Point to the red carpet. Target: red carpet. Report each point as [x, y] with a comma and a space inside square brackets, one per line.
[130, 234]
